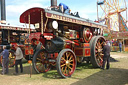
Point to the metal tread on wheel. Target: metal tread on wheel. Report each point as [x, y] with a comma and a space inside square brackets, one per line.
[97, 51]
[66, 63]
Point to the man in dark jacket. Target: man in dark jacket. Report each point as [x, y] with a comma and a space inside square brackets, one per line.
[106, 57]
[5, 61]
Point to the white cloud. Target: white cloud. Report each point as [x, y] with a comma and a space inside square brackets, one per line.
[14, 10]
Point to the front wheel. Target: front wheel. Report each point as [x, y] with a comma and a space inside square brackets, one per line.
[66, 63]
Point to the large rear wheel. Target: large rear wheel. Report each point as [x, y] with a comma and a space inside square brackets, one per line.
[97, 51]
[40, 61]
[66, 63]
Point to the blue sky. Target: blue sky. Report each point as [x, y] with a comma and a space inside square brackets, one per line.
[14, 8]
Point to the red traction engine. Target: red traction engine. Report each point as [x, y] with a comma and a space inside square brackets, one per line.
[64, 40]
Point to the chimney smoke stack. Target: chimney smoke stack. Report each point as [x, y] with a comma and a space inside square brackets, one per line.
[53, 3]
[3, 11]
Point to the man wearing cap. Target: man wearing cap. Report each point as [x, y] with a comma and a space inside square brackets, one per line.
[106, 57]
[5, 61]
[19, 57]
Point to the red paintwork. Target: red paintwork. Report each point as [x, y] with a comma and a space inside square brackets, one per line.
[88, 34]
[48, 36]
[34, 36]
[77, 35]
[76, 42]
[83, 50]
[13, 46]
[87, 45]
[87, 52]
[78, 52]
[29, 50]
[34, 12]
[26, 52]
[68, 46]
[55, 55]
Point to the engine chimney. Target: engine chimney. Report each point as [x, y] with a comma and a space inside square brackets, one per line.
[3, 12]
[53, 3]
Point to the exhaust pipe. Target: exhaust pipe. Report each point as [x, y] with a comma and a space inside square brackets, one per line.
[3, 12]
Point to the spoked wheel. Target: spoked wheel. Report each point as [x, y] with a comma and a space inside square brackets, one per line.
[66, 63]
[40, 61]
[96, 51]
[11, 59]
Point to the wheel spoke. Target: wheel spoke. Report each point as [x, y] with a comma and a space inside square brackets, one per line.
[71, 64]
[102, 43]
[39, 59]
[71, 61]
[70, 67]
[65, 71]
[96, 47]
[63, 65]
[70, 57]
[63, 58]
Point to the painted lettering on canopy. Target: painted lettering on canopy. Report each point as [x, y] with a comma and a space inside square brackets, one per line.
[67, 19]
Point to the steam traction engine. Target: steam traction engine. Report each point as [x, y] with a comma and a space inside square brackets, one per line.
[64, 39]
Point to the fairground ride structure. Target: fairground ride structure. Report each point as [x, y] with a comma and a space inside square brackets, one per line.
[113, 13]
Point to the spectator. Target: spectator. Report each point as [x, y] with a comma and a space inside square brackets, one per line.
[120, 46]
[19, 57]
[106, 57]
[5, 61]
